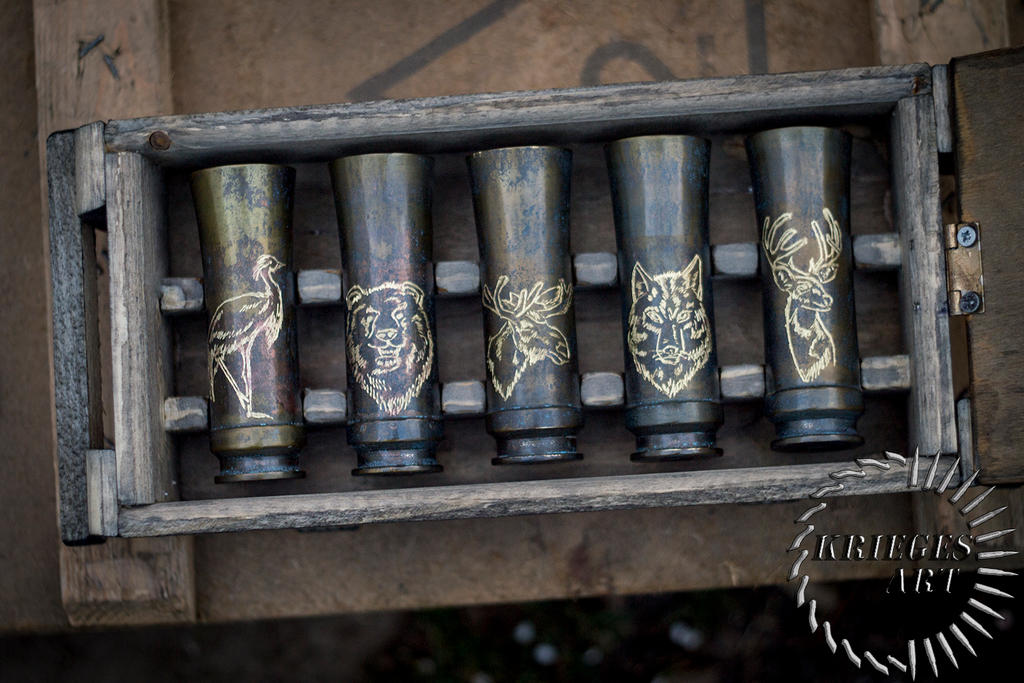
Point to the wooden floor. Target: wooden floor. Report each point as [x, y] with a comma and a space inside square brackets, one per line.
[186, 56]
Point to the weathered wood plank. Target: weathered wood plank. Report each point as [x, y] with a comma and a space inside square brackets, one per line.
[457, 277]
[101, 475]
[990, 174]
[462, 123]
[76, 379]
[935, 32]
[877, 252]
[324, 406]
[745, 485]
[965, 434]
[463, 398]
[186, 414]
[90, 183]
[885, 373]
[742, 382]
[596, 270]
[119, 581]
[317, 287]
[923, 298]
[140, 336]
[879, 374]
[734, 260]
[181, 295]
[940, 96]
[602, 389]
[131, 581]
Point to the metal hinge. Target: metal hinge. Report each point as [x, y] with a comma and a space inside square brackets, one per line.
[965, 283]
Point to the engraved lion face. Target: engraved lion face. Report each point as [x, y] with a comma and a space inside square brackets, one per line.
[389, 343]
[669, 332]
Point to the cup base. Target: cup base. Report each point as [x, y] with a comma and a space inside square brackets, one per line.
[537, 449]
[242, 468]
[396, 461]
[677, 446]
[817, 434]
[396, 469]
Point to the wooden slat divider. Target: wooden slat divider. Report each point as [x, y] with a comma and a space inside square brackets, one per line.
[468, 122]
[101, 477]
[188, 414]
[923, 297]
[90, 175]
[592, 271]
[77, 397]
[140, 337]
[504, 499]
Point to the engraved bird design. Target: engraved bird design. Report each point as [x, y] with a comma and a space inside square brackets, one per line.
[238, 323]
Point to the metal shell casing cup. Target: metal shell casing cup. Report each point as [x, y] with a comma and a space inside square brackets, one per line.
[384, 204]
[521, 201]
[660, 197]
[801, 179]
[245, 229]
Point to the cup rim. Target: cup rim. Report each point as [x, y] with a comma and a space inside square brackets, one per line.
[490, 150]
[223, 167]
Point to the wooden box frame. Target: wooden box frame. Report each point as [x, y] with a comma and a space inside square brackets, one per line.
[111, 174]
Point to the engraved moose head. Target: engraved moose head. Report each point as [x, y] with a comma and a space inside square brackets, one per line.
[527, 335]
[810, 343]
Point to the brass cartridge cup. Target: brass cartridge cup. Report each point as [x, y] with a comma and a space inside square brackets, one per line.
[521, 201]
[245, 229]
[659, 189]
[384, 203]
[801, 179]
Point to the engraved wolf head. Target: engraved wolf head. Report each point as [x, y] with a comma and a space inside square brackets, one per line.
[389, 343]
[669, 332]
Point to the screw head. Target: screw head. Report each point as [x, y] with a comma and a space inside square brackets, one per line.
[160, 141]
[966, 236]
[970, 302]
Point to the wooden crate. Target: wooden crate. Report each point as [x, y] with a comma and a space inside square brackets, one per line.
[129, 177]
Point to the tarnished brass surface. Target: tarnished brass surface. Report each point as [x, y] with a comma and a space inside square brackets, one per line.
[965, 279]
[383, 203]
[244, 215]
[660, 197]
[521, 200]
[801, 179]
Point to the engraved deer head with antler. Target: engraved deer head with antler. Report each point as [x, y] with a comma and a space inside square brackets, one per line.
[810, 343]
[527, 334]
